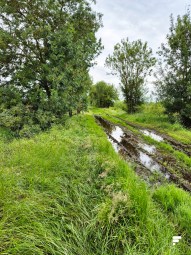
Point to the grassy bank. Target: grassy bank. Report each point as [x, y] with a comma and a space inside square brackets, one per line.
[67, 192]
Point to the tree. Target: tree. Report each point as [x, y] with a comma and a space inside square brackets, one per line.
[46, 50]
[103, 95]
[174, 74]
[132, 62]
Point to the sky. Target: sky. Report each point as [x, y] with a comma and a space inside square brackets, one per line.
[148, 20]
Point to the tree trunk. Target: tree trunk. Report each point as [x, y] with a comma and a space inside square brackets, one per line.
[46, 86]
[70, 113]
[78, 110]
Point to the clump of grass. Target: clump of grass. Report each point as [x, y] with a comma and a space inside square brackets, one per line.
[177, 203]
[5, 135]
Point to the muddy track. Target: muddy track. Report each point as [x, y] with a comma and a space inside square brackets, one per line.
[185, 148]
[148, 160]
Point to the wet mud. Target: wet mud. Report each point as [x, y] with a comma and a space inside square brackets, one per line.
[154, 167]
[159, 137]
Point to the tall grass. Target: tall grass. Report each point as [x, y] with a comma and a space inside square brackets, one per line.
[177, 204]
[67, 192]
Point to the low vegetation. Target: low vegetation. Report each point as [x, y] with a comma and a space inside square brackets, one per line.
[176, 203]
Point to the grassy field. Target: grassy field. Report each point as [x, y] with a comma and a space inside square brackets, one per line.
[67, 192]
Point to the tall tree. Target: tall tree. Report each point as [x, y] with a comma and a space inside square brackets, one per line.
[46, 50]
[132, 62]
[174, 74]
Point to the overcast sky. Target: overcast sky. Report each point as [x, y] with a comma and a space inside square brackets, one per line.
[148, 20]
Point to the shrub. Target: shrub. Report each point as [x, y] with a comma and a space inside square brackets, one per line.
[29, 130]
[120, 105]
[103, 95]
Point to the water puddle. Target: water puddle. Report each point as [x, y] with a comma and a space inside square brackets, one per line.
[125, 142]
[149, 148]
[117, 133]
[150, 164]
[114, 144]
[135, 150]
[151, 134]
[177, 145]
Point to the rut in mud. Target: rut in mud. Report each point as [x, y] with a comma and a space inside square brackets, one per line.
[185, 148]
[150, 163]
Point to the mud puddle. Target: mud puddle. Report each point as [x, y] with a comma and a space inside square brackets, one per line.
[151, 134]
[159, 137]
[126, 144]
[134, 150]
[148, 148]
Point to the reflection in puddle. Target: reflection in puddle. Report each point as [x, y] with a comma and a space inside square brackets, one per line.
[167, 176]
[156, 137]
[148, 162]
[149, 148]
[117, 133]
[115, 145]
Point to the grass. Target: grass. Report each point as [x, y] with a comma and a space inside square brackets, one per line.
[176, 204]
[67, 192]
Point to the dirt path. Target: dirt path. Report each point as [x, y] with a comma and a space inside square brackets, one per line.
[185, 148]
[151, 164]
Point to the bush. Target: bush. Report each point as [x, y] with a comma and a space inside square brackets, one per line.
[103, 95]
[24, 121]
[29, 130]
[13, 118]
[120, 105]
[152, 108]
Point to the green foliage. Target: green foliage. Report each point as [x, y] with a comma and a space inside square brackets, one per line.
[120, 105]
[174, 76]
[13, 118]
[132, 62]
[156, 109]
[5, 135]
[29, 130]
[47, 48]
[103, 95]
